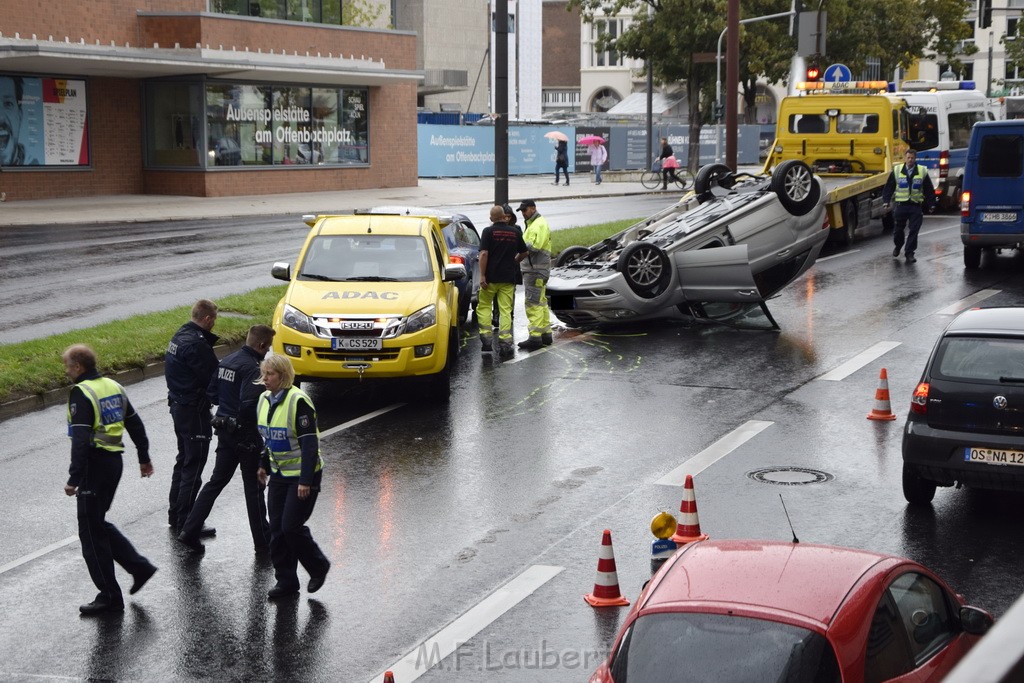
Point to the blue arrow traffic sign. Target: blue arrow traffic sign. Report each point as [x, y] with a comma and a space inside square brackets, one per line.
[838, 73]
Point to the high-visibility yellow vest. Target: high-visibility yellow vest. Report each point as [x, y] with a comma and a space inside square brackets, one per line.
[108, 405]
[278, 432]
[912, 191]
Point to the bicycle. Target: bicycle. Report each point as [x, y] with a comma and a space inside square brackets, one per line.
[652, 179]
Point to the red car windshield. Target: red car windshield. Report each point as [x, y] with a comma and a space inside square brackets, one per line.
[680, 647]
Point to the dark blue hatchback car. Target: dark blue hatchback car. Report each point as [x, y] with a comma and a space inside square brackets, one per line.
[966, 420]
[463, 247]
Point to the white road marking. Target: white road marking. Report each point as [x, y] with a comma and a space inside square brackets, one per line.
[434, 649]
[71, 539]
[955, 308]
[844, 253]
[860, 360]
[359, 420]
[39, 553]
[715, 452]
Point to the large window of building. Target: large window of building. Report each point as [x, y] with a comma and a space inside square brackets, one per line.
[174, 124]
[317, 11]
[606, 27]
[231, 125]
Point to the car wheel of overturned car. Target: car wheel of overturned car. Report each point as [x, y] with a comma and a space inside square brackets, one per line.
[796, 187]
[646, 268]
[916, 490]
[709, 175]
[972, 257]
[570, 254]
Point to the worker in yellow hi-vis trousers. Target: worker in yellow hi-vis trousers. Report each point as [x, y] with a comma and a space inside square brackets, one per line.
[536, 267]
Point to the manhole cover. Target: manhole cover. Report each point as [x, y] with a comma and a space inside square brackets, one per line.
[789, 476]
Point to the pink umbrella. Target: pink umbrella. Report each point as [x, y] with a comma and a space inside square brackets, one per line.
[557, 135]
[590, 140]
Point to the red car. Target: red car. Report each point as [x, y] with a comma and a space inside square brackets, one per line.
[776, 611]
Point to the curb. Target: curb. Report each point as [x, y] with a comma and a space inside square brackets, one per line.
[54, 397]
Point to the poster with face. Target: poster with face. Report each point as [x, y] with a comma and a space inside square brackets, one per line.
[43, 122]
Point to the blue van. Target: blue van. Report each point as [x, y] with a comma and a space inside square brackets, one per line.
[992, 204]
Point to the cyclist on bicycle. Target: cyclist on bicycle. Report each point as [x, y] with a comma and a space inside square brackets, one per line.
[668, 164]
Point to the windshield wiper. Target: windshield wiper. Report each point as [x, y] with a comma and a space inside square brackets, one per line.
[315, 276]
[371, 278]
[1012, 379]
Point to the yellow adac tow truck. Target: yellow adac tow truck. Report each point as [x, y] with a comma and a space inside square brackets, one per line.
[850, 134]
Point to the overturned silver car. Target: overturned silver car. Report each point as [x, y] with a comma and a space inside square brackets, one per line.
[737, 238]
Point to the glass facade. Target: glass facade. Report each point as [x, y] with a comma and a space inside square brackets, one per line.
[315, 11]
[215, 125]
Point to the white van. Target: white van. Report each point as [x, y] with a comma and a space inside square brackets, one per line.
[951, 109]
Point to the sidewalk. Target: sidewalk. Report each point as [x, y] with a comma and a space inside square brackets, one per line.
[430, 192]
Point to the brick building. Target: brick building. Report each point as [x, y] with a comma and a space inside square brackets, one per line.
[202, 98]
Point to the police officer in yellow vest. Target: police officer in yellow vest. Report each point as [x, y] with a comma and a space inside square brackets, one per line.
[98, 415]
[536, 267]
[287, 423]
[911, 188]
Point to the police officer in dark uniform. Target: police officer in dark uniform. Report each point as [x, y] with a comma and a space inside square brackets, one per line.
[189, 366]
[99, 413]
[236, 389]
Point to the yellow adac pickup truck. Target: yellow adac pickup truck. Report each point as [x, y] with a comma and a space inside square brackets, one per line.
[371, 295]
[850, 134]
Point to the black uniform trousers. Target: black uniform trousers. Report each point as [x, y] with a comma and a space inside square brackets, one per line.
[231, 455]
[907, 216]
[291, 543]
[193, 431]
[102, 542]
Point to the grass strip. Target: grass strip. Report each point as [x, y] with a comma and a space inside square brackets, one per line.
[586, 235]
[34, 367]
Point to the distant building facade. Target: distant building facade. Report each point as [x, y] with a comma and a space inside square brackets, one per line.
[205, 98]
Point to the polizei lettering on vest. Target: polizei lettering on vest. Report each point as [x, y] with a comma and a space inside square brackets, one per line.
[226, 374]
[351, 294]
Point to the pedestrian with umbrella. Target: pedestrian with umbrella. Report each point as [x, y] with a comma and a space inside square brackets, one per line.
[598, 154]
[561, 153]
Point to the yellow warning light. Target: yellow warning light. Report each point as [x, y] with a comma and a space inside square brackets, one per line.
[663, 525]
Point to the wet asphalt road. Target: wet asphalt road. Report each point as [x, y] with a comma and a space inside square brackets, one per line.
[57, 278]
[427, 510]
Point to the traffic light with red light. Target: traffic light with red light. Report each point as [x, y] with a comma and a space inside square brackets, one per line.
[813, 73]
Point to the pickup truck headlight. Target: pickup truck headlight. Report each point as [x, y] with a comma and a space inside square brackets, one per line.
[421, 319]
[297, 320]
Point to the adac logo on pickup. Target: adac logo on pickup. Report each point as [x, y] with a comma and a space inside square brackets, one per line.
[351, 294]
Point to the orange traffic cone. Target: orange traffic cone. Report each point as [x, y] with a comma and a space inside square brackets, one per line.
[688, 529]
[882, 409]
[389, 677]
[606, 585]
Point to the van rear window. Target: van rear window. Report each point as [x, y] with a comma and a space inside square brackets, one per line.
[1000, 156]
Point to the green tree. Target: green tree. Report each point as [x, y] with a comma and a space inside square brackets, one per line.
[674, 34]
[1014, 48]
[361, 13]
[897, 34]
[670, 34]
[766, 50]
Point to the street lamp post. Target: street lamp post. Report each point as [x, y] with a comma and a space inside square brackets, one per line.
[718, 76]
